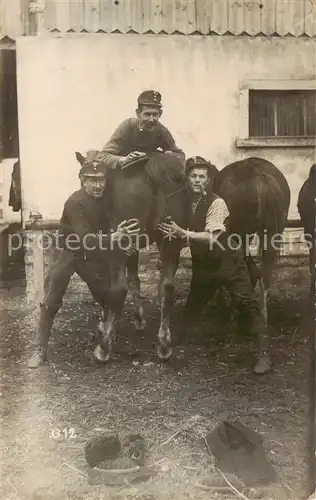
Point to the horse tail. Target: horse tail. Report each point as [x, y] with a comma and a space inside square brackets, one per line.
[271, 204]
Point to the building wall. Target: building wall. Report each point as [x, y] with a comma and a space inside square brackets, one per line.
[73, 91]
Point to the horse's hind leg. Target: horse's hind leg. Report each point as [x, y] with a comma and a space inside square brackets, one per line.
[167, 293]
[268, 260]
[256, 276]
[263, 300]
[134, 287]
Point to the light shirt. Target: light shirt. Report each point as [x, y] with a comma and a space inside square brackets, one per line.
[216, 215]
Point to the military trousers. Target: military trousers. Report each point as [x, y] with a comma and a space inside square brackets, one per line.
[93, 271]
[230, 270]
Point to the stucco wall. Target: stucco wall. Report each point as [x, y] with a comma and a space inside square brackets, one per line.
[74, 91]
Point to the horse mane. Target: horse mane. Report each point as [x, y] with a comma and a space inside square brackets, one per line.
[165, 170]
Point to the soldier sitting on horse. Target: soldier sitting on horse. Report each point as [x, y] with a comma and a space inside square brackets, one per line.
[83, 241]
[135, 137]
[214, 263]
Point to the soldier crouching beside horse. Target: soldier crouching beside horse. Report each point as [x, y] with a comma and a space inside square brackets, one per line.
[83, 220]
[214, 263]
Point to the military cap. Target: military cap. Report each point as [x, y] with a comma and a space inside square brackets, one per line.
[92, 169]
[150, 98]
[198, 161]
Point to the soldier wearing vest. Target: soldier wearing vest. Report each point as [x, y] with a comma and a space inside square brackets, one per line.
[82, 242]
[213, 262]
[135, 137]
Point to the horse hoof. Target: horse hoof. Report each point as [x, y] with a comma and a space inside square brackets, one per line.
[263, 365]
[140, 324]
[164, 352]
[100, 355]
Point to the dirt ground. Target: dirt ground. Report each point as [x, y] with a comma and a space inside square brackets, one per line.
[49, 414]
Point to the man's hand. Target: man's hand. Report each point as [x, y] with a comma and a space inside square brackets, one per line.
[160, 150]
[130, 227]
[131, 156]
[171, 230]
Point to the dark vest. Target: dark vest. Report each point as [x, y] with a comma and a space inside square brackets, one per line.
[202, 251]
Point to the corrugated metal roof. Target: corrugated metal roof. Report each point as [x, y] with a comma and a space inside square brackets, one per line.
[204, 17]
[10, 20]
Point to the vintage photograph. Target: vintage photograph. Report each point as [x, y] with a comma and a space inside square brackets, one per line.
[157, 249]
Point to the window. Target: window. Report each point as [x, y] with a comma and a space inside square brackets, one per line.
[278, 113]
[9, 138]
[282, 113]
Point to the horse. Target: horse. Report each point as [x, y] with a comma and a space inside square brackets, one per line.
[258, 197]
[150, 193]
[306, 206]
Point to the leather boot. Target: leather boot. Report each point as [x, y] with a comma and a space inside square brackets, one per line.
[39, 355]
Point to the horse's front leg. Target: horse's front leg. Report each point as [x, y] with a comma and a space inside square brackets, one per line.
[169, 266]
[117, 295]
[134, 287]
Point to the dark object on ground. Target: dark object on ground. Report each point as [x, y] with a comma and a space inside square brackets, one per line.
[102, 448]
[120, 477]
[135, 448]
[239, 450]
[114, 461]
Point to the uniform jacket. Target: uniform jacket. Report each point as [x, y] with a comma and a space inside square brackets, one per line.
[84, 215]
[128, 137]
